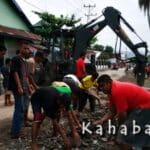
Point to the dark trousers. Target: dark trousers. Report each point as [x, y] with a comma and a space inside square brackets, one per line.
[83, 96]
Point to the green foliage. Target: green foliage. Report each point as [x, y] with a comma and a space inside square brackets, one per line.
[50, 22]
[104, 55]
[98, 47]
[93, 41]
[145, 6]
[107, 51]
[132, 59]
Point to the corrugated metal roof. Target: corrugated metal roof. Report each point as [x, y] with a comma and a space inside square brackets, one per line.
[21, 34]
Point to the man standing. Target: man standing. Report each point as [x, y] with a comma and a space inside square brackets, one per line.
[19, 84]
[80, 67]
[131, 104]
[32, 62]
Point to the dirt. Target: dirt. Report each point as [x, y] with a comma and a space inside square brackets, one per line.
[90, 142]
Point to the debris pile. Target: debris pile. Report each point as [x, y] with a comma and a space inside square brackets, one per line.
[48, 142]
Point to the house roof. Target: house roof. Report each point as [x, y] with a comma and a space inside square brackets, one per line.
[21, 34]
[16, 33]
[19, 11]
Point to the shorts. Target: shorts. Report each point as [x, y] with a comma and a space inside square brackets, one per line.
[44, 100]
[36, 107]
[138, 129]
[38, 117]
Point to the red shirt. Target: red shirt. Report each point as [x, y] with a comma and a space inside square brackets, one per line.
[80, 65]
[128, 96]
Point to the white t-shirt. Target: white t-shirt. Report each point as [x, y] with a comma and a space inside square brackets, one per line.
[87, 61]
[73, 77]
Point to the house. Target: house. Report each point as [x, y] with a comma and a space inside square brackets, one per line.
[14, 27]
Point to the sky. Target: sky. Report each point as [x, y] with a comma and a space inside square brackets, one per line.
[129, 10]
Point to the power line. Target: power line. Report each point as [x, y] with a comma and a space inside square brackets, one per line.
[89, 14]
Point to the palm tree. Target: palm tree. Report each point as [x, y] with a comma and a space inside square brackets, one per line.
[145, 6]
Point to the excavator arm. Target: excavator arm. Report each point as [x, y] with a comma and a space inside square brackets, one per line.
[114, 23]
[112, 19]
[83, 36]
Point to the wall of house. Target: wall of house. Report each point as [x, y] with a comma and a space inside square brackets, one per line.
[11, 45]
[9, 17]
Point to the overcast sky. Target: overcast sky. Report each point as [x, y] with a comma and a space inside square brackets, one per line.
[129, 9]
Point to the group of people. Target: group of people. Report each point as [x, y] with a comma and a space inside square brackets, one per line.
[127, 102]
[68, 96]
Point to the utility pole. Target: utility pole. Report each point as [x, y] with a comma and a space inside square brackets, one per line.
[89, 14]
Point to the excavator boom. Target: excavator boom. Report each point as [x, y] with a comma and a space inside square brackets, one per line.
[81, 36]
[112, 18]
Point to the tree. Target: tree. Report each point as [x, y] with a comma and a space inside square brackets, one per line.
[145, 6]
[50, 23]
[98, 47]
[107, 52]
[92, 41]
